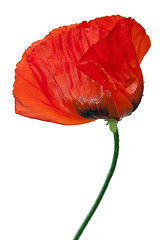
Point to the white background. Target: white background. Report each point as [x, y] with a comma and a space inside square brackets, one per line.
[51, 174]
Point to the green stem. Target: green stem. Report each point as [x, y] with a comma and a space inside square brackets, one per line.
[104, 187]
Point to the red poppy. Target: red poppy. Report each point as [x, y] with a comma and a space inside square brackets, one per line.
[83, 72]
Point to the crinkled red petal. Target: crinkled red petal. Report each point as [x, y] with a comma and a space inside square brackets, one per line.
[113, 63]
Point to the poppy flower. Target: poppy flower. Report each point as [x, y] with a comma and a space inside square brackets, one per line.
[83, 72]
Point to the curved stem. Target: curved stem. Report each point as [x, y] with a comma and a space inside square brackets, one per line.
[104, 187]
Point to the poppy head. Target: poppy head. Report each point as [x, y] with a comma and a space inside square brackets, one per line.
[83, 72]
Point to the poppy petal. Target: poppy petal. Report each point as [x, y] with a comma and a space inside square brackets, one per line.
[113, 63]
[141, 40]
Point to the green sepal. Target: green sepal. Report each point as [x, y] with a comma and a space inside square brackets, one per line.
[112, 125]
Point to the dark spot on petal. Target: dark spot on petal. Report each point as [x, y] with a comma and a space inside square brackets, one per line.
[91, 108]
